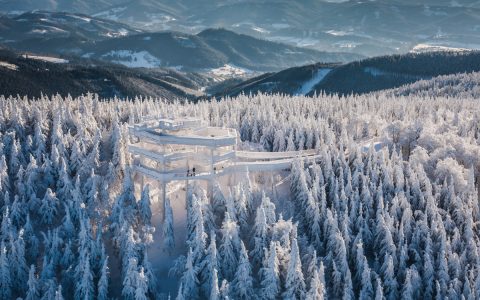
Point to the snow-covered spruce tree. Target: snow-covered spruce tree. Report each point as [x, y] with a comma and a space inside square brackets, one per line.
[259, 237]
[214, 290]
[48, 207]
[33, 291]
[84, 286]
[317, 288]
[269, 274]
[242, 284]
[168, 233]
[141, 290]
[19, 268]
[5, 276]
[294, 284]
[210, 266]
[189, 280]
[144, 206]
[130, 279]
[229, 248]
[102, 286]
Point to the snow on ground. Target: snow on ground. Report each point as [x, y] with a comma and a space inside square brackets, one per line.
[185, 41]
[337, 32]
[114, 34]
[316, 79]
[47, 29]
[50, 59]
[377, 146]
[9, 66]
[275, 184]
[132, 59]
[162, 261]
[227, 71]
[82, 18]
[422, 48]
[260, 30]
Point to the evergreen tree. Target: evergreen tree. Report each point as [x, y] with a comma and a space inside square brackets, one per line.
[84, 288]
[189, 280]
[33, 291]
[317, 288]
[130, 280]
[5, 277]
[50, 290]
[48, 207]
[18, 263]
[214, 290]
[260, 231]
[141, 286]
[269, 274]
[228, 249]
[144, 206]
[168, 233]
[294, 284]
[210, 265]
[102, 286]
[58, 293]
[242, 284]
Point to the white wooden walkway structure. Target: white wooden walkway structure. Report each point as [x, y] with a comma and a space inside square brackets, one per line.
[185, 149]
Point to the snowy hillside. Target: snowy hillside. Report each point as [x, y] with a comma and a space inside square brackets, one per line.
[388, 209]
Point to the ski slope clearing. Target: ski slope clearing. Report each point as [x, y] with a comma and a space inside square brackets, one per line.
[9, 66]
[422, 48]
[316, 79]
[50, 59]
[133, 59]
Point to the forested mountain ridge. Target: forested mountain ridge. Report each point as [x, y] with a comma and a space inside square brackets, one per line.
[388, 210]
[363, 76]
[463, 85]
[32, 75]
[384, 72]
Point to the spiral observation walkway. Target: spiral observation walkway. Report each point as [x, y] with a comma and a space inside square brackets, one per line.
[187, 149]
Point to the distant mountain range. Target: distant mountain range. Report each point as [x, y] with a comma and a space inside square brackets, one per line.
[71, 34]
[364, 27]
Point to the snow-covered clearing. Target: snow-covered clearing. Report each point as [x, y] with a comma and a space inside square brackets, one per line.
[50, 59]
[47, 29]
[316, 79]
[227, 71]
[422, 48]
[337, 32]
[9, 66]
[82, 18]
[132, 59]
[377, 146]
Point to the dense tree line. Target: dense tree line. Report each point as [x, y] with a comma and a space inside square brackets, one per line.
[388, 211]
[386, 72]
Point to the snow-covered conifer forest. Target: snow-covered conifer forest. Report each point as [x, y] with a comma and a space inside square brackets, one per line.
[389, 211]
